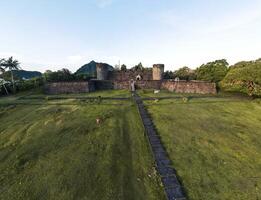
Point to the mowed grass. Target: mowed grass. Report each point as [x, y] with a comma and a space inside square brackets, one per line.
[214, 143]
[60, 152]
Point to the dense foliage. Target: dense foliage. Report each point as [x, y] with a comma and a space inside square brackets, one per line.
[185, 73]
[213, 71]
[123, 67]
[138, 67]
[20, 85]
[244, 77]
[168, 75]
[64, 75]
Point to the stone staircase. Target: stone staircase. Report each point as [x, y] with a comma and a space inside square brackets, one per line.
[168, 176]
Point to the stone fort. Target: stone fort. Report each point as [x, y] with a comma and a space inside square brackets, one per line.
[149, 78]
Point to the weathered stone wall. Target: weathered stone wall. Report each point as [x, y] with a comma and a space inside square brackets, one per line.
[68, 87]
[102, 84]
[138, 84]
[171, 85]
[154, 84]
[120, 85]
[198, 87]
[129, 74]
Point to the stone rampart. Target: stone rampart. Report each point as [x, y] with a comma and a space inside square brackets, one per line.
[68, 87]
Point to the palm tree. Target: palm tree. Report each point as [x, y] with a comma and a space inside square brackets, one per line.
[11, 65]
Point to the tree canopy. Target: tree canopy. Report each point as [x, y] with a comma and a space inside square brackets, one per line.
[185, 73]
[138, 67]
[123, 67]
[244, 77]
[212, 71]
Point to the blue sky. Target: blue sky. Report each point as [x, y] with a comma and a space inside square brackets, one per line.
[52, 34]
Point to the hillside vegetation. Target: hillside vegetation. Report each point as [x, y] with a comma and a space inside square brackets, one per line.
[244, 77]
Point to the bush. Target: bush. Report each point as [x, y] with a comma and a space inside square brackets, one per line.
[212, 71]
[244, 77]
[24, 85]
[65, 75]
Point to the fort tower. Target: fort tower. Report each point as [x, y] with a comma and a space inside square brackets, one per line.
[102, 71]
[157, 71]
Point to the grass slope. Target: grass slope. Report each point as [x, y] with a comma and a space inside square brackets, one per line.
[214, 144]
[59, 152]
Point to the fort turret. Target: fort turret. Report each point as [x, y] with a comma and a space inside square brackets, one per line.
[157, 72]
[102, 71]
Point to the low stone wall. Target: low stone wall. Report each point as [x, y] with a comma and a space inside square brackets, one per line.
[199, 87]
[171, 85]
[121, 85]
[68, 87]
[148, 85]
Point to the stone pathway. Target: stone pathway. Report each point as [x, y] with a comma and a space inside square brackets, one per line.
[167, 173]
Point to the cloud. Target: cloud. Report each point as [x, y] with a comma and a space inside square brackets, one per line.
[103, 3]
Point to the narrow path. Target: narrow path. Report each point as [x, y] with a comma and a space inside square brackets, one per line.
[167, 173]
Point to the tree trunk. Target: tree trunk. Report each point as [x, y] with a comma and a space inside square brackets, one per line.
[5, 89]
[12, 77]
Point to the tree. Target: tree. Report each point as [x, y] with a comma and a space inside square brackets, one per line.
[185, 73]
[138, 67]
[62, 75]
[213, 71]
[244, 77]
[168, 75]
[123, 68]
[11, 65]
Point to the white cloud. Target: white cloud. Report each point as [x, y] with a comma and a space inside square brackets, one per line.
[103, 3]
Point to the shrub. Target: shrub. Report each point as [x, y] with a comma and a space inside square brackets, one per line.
[244, 77]
[212, 71]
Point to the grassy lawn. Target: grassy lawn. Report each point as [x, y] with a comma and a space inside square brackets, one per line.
[59, 152]
[165, 93]
[214, 143]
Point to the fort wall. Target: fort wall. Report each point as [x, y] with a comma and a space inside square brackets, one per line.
[68, 87]
[198, 87]
[129, 74]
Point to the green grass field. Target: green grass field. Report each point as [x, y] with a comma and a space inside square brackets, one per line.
[54, 149]
[214, 144]
[51, 151]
